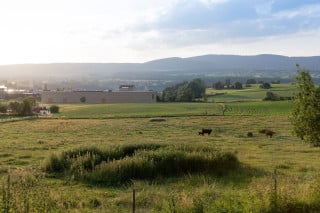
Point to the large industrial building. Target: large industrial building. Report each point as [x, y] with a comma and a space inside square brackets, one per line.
[98, 97]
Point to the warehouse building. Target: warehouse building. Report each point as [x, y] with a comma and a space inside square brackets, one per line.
[97, 97]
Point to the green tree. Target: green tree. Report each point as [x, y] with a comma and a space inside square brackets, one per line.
[54, 109]
[265, 85]
[26, 107]
[22, 108]
[306, 109]
[270, 96]
[237, 85]
[251, 81]
[3, 108]
[197, 87]
[185, 91]
[83, 99]
[15, 107]
[168, 94]
[218, 85]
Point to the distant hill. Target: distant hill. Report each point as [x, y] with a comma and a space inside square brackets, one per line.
[235, 62]
[210, 65]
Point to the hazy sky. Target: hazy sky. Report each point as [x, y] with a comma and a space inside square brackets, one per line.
[46, 31]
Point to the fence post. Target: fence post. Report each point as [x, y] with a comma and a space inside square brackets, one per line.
[275, 196]
[133, 201]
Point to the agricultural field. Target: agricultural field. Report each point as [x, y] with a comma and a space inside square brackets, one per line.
[89, 158]
[100, 111]
[252, 93]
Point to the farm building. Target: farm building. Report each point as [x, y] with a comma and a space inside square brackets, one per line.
[98, 97]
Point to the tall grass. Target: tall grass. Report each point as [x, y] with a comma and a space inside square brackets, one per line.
[23, 192]
[119, 165]
[86, 158]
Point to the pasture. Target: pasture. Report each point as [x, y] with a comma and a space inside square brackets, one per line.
[27, 145]
[100, 111]
[252, 93]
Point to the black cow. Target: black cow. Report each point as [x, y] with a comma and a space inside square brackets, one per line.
[205, 131]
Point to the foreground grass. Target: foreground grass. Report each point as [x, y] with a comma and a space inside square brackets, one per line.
[119, 165]
[26, 146]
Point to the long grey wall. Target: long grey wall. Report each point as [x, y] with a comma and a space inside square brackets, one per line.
[97, 97]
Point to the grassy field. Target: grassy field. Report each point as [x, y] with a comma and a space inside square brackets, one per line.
[26, 147]
[253, 93]
[103, 111]
[89, 158]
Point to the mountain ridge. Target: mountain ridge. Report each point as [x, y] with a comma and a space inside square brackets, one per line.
[209, 64]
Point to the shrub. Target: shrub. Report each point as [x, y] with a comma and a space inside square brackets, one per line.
[22, 108]
[270, 96]
[119, 165]
[3, 108]
[265, 85]
[54, 109]
[86, 158]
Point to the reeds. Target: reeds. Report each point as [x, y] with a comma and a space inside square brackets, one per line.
[121, 164]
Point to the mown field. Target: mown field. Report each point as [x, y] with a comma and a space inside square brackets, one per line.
[252, 93]
[98, 111]
[89, 158]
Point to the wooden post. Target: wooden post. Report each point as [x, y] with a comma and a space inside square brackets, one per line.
[275, 180]
[275, 189]
[133, 201]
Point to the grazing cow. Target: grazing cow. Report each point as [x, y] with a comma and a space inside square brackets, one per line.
[250, 134]
[205, 131]
[267, 132]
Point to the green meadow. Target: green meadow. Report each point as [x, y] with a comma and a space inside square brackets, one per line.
[89, 158]
[100, 111]
[252, 93]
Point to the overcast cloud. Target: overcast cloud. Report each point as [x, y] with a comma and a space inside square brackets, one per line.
[43, 31]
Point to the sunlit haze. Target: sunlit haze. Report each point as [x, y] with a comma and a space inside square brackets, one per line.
[50, 31]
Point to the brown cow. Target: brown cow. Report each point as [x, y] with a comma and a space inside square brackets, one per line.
[267, 132]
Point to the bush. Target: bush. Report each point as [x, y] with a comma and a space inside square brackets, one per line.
[3, 108]
[86, 158]
[119, 165]
[270, 96]
[265, 85]
[54, 109]
[24, 107]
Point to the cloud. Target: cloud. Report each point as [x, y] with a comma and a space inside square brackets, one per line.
[308, 11]
[190, 23]
[144, 28]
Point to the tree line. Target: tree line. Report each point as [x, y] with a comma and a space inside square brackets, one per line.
[23, 107]
[185, 91]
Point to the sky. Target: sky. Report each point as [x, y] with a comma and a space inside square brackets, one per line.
[103, 31]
